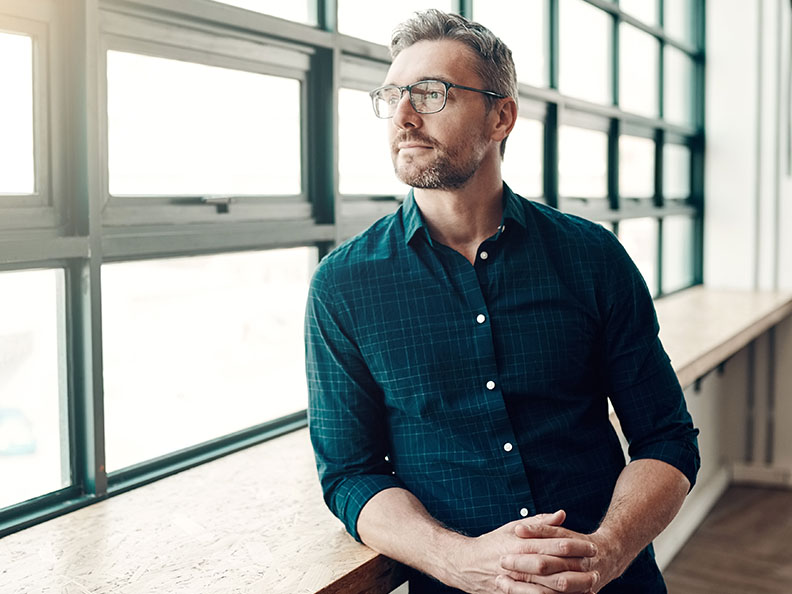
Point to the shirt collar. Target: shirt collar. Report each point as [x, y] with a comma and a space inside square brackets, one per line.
[513, 210]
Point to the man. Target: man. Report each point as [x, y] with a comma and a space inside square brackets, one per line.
[461, 351]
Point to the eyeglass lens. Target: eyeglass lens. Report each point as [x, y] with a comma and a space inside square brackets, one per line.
[425, 96]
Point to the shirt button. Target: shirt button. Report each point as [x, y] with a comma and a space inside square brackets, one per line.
[481, 318]
[524, 512]
[490, 385]
[483, 255]
[507, 446]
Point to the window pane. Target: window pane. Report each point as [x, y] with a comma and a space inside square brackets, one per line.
[585, 50]
[638, 62]
[676, 171]
[639, 238]
[364, 159]
[678, 101]
[196, 348]
[678, 19]
[582, 162]
[636, 167]
[33, 426]
[294, 10]
[678, 232]
[179, 128]
[357, 18]
[522, 165]
[526, 36]
[643, 10]
[16, 115]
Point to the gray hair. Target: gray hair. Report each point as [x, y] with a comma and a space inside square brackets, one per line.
[494, 66]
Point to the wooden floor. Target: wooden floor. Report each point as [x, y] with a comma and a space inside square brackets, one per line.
[743, 547]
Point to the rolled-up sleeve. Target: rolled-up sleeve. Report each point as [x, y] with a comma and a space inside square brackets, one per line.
[346, 413]
[643, 385]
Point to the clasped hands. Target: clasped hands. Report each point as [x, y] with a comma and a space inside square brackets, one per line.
[537, 556]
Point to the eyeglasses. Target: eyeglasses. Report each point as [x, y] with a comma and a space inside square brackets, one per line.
[426, 96]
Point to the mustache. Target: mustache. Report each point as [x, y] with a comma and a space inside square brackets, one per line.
[413, 137]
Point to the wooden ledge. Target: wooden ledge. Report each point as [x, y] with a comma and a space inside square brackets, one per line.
[701, 327]
[255, 521]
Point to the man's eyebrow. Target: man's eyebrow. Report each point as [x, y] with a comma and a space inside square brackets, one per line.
[425, 77]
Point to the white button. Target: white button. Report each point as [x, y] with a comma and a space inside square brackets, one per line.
[483, 255]
[481, 318]
[490, 385]
[524, 513]
[507, 446]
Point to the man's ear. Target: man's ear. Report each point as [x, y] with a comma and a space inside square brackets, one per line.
[506, 112]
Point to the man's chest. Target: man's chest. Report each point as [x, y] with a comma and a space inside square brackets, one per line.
[443, 333]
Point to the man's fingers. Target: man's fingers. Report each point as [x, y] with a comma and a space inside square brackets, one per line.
[509, 586]
[555, 519]
[522, 565]
[558, 547]
[569, 581]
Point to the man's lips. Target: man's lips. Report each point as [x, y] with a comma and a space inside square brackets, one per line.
[413, 145]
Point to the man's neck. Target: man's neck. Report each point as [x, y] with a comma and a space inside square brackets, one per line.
[463, 218]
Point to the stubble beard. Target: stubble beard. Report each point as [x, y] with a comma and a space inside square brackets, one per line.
[449, 169]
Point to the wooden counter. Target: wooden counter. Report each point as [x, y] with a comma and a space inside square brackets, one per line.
[255, 521]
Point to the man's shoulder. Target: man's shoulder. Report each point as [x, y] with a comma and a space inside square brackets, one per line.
[349, 261]
[568, 230]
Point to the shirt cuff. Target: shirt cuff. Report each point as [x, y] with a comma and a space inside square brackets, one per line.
[682, 455]
[354, 493]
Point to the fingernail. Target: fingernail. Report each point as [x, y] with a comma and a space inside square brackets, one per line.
[593, 549]
[596, 578]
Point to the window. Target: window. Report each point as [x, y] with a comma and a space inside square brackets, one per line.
[197, 348]
[179, 128]
[526, 36]
[636, 167]
[364, 159]
[522, 164]
[296, 10]
[585, 50]
[639, 237]
[582, 162]
[34, 450]
[678, 249]
[678, 102]
[644, 10]
[676, 180]
[638, 79]
[16, 115]
[356, 18]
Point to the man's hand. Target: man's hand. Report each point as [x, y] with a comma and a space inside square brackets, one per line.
[607, 563]
[540, 563]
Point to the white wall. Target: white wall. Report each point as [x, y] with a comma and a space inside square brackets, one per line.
[748, 192]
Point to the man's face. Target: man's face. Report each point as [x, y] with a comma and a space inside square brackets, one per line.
[441, 150]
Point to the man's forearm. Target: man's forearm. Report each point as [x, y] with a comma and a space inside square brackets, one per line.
[395, 523]
[647, 496]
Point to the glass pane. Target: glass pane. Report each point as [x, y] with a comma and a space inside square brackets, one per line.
[582, 162]
[526, 36]
[678, 20]
[676, 171]
[678, 100]
[294, 10]
[585, 50]
[636, 167]
[678, 233]
[638, 62]
[179, 128]
[196, 348]
[643, 10]
[359, 19]
[16, 115]
[639, 238]
[522, 164]
[33, 426]
[364, 159]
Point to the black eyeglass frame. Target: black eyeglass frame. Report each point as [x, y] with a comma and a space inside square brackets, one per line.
[409, 88]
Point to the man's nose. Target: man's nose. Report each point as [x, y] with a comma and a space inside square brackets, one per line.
[405, 115]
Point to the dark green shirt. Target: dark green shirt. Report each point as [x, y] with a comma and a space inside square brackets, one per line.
[483, 388]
